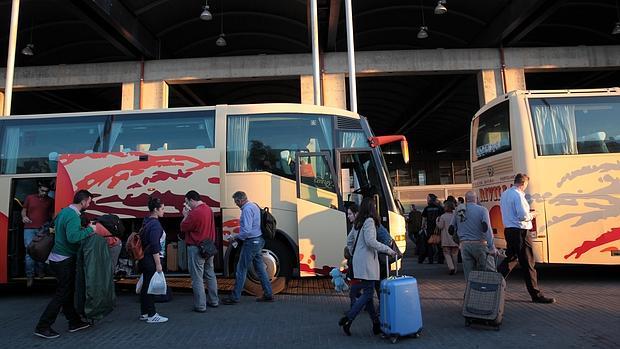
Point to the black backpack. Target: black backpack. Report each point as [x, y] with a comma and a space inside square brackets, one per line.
[267, 223]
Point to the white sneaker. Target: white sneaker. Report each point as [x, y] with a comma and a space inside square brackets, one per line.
[156, 319]
[144, 317]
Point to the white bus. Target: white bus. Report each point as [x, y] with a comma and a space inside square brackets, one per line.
[568, 142]
[303, 162]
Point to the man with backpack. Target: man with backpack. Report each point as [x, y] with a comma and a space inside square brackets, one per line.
[62, 260]
[251, 236]
[197, 226]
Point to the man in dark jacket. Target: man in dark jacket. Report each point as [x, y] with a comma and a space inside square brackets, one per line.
[429, 222]
[62, 261]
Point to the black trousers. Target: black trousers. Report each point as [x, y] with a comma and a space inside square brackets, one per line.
[147, 301]
[64, 295]
[519, 250]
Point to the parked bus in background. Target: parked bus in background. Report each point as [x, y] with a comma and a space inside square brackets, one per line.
[568, 142]
[303, 162]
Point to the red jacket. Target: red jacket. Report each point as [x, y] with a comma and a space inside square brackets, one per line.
[199, 225]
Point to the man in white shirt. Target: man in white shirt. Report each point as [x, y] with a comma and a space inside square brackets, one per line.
[517, 220]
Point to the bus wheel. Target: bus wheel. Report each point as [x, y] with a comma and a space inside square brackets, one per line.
[278, 260]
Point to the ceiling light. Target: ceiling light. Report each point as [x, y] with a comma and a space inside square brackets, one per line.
[221, 42]
[441, 8]
[206, 14]
[616, 30]
[423, 33]
[28, 50]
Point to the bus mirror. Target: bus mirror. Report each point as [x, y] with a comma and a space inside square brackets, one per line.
[381, 140]
[404, 147]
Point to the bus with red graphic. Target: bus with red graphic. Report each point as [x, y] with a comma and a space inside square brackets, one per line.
[568, 142]
[304, 162]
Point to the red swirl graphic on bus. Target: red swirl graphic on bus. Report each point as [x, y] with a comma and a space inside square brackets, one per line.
[612, 235]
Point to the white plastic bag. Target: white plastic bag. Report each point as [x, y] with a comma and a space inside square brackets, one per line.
[139, 284]
[157, 284]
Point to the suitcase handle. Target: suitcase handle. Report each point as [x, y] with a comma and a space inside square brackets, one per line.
[387, 265]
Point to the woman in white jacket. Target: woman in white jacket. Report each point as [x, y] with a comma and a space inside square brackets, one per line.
[363, 246]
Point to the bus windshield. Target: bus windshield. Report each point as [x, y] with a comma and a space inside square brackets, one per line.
[576, 125]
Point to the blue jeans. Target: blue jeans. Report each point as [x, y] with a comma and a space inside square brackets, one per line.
[365, 301]
[251, 253]
[199, 268]
[31, 265]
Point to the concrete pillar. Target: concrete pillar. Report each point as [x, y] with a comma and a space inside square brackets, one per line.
[491, 83]
[334, 91]
[154, 95]
[307, 89]
[1, 103]
[515, 79]
[130, 99]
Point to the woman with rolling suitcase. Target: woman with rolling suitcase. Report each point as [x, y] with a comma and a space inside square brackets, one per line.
[363, 246]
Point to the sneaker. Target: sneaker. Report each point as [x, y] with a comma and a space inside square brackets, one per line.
[79, 326]
[156, 319]
[229, 301]
[200, 310]
[48, 333]
[264, 299]
[29, 281]
[543, 300]
[144, 317]
[212, 305]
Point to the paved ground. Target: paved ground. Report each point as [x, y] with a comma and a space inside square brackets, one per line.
[587, 315]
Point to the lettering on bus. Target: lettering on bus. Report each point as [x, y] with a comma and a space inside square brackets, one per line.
[492, 193]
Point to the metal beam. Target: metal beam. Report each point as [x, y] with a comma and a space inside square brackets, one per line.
[112, 15]
[334, 17]
[540, 17]
[433, 104]
[508, 20]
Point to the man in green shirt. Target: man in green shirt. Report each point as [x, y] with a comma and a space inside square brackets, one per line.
[69, 233]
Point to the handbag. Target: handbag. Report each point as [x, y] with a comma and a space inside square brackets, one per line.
[207, 249]
[435, 238]
[42, 243]
[350, 274]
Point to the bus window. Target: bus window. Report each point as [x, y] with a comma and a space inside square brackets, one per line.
[317, 180]
[270, 142]
[576, 125]
[352, 139]
[33, 145]
[492, 132]
[165, 131]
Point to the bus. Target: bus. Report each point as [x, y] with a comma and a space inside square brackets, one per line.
[304, 162]
[568, 142]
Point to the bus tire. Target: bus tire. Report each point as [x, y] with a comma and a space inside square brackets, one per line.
[275, 251]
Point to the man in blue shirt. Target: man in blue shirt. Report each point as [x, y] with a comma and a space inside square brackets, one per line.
[251, 250]
[517, 220]
[476, 238]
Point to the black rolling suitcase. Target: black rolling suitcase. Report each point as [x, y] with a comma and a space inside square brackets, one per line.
[484, 298]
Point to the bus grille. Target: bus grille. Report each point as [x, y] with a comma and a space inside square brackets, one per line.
[492, 168]
[348, 123]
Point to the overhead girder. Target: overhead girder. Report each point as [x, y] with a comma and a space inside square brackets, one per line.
[112, 20]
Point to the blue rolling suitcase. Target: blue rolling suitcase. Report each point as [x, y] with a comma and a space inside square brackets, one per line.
[400, 311]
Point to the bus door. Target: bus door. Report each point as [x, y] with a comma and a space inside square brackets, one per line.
[359, 178]
[17, 189]
[322, 228]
